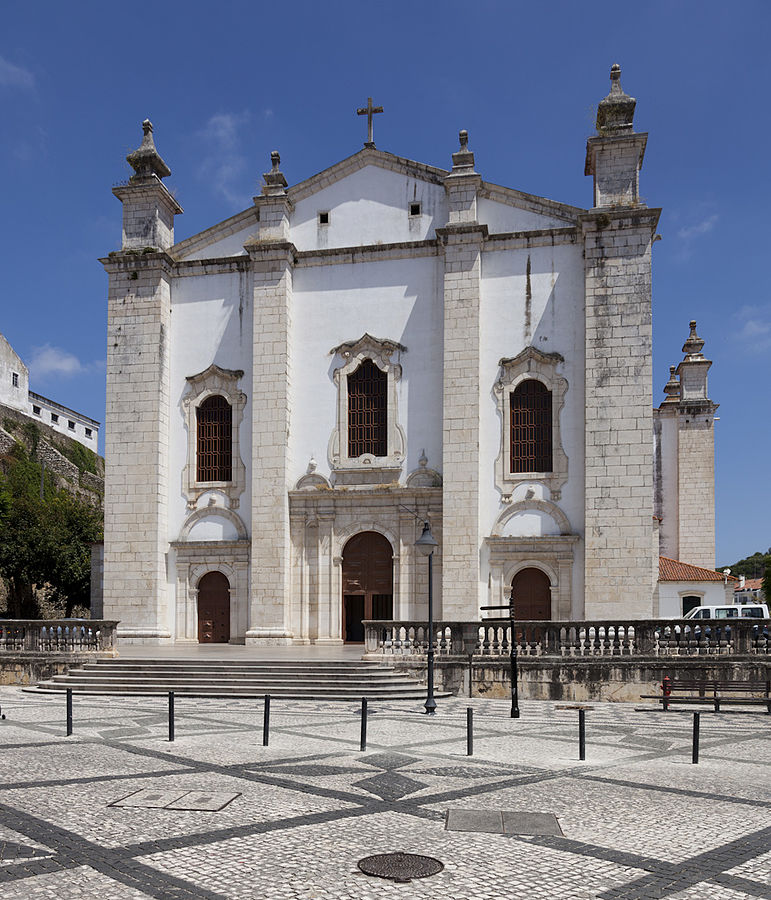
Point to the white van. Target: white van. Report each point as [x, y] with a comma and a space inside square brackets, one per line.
[736, 611]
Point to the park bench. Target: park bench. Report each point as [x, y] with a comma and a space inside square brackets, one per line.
[714, 691]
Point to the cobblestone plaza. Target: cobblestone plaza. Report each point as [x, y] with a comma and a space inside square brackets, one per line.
[116, 811]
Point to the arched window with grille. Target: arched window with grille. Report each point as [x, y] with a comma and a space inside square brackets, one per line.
[367, 411]
[531, 427]
[214, 457]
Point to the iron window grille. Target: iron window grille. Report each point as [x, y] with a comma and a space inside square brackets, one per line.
[367, 411]
[214, 458]
[531, 428]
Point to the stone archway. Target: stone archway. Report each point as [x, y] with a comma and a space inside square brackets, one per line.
[531, 591]
[213, 609]
[368, 579]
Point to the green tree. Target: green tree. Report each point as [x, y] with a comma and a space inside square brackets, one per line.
[767, 584]
[44, 539]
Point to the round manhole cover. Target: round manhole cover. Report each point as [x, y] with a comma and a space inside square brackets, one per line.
[400, 867]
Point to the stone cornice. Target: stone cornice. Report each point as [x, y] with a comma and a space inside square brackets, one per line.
[619, 217]
[216, 233]
[151, 186]
[518, 240]
[530, 202]
[125, 260]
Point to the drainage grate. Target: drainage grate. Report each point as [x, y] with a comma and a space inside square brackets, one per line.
[200, 801]
[400, 867]
[492, 821]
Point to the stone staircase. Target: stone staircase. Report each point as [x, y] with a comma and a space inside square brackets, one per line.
[317, 680]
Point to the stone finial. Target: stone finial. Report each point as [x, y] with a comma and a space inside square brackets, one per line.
[693, 346]
[274, 180]
[672, 387]
[615, 113]
[146, 160]
[463, 160]
[312, 464]
[423, 461]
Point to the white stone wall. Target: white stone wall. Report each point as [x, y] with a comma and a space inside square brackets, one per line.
[13, 395]
[671, 593]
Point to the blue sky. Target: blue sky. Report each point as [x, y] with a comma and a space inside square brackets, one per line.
[225, 84]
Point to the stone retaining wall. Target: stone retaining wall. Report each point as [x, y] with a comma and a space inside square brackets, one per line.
[579, 679]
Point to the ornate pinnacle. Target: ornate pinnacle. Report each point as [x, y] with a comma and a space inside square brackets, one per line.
[616, 112]
[274, 180]
[463, 160]
[692, 347]
[146, 161]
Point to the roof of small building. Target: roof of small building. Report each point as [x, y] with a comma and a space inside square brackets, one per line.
[674, 570]
[750, 584]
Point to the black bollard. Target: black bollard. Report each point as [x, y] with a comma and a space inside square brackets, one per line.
[469, 731]
[363, 743]
[171, 716]
[69, 711]
[582, 734]
[695, 754]
[266, 721]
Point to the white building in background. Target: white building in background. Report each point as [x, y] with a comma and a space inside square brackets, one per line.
[291, 392]
[15, 394]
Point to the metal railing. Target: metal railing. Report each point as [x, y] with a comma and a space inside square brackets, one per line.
[56, 635]
[577, 639]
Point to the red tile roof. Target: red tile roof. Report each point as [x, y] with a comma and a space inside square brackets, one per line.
[750, 584]
[674, 570]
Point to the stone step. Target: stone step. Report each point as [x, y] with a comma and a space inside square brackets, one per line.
[325, 680]
[298, 692]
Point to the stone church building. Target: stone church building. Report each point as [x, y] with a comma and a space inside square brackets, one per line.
[291, 392]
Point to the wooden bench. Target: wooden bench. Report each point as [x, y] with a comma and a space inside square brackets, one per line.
[714, 691]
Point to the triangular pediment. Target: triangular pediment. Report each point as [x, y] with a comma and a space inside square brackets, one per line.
[502, 209]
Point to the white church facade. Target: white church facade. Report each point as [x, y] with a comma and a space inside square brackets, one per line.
[293, 391]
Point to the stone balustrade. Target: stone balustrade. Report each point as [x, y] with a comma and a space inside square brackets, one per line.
[575, 639]
[56, 635]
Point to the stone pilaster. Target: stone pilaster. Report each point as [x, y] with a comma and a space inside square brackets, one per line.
[462, 243]
[272, 262]
[695, 457]
[137, 412]
[618, 235]
[137, 445]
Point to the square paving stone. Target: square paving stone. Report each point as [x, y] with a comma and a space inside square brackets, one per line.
[489, 821]
[205, 801]
[149, 798]
[530, 823]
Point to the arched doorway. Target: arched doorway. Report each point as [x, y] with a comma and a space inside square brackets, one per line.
[213, 609]
[531, 591]
[368, 583]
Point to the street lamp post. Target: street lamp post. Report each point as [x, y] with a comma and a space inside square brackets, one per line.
[426, 544]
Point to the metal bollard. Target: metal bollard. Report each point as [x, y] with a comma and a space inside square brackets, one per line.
[582, 734]
[69, 711]
[363, 742]
[171, 715]
[695, 752]
[266, 721]
[469, 731]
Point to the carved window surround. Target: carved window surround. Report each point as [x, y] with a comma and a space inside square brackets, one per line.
[213, 380]
[530, 364]
[367, 469]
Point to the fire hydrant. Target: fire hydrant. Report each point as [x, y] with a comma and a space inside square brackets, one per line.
[666, 686]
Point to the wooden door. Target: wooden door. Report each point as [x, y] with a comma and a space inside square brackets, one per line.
[213, 609]
[367, 583]
[532, 595]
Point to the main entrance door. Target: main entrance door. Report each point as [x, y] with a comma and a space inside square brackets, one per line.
[532, 594]
[213, 609]
[368, 583]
